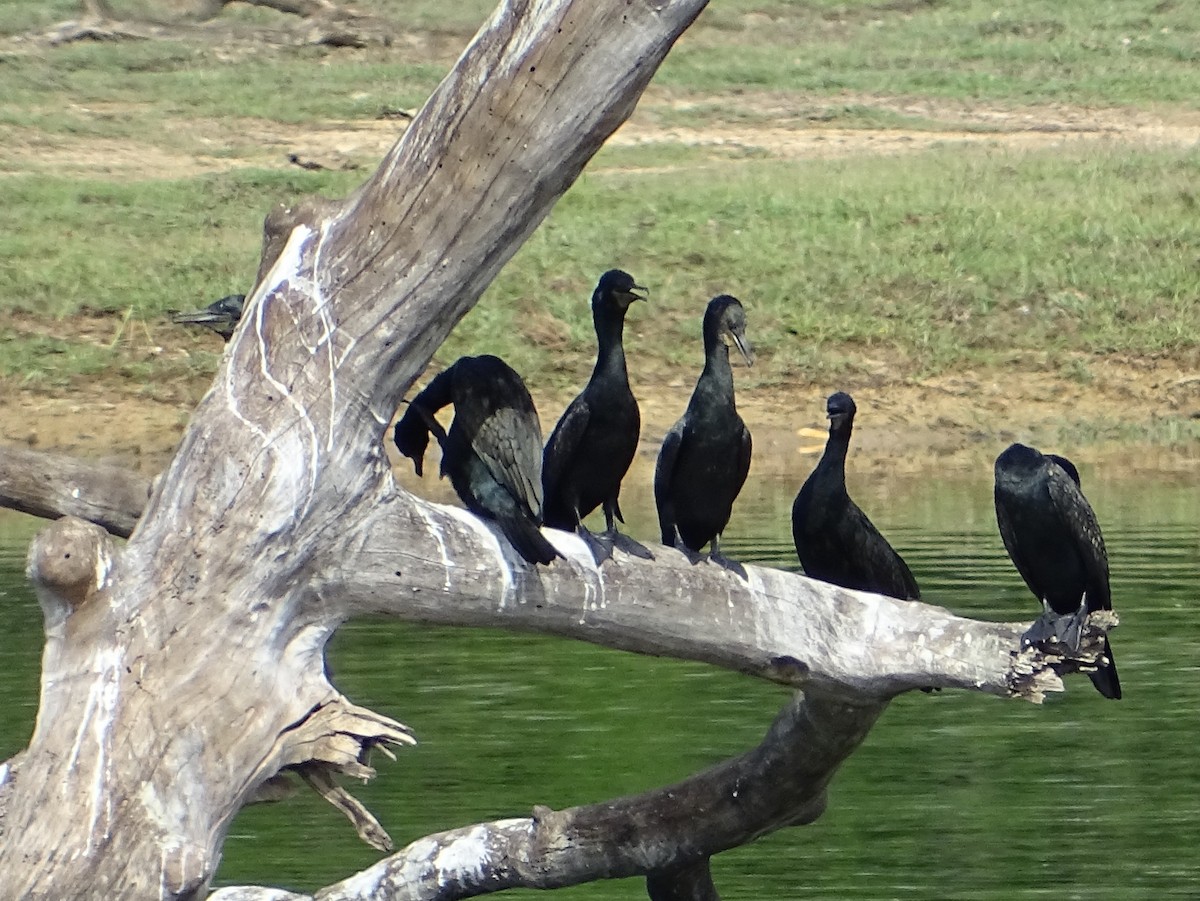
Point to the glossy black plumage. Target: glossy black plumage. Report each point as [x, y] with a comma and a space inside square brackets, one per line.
[222, 316]
[593, 443]
[492, 452]
[835, 540]
[1051, 533]
[706, 455]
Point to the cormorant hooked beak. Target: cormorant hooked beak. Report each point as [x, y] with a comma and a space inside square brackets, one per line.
[633, 294]
[744, 346]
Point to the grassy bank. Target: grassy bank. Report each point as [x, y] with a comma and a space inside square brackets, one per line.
[961, 255]
[929, 262]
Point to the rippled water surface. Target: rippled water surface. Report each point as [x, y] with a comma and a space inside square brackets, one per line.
[952, 795]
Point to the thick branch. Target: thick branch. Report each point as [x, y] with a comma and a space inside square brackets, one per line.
[54, 485]
[429, 562]
[779, 783]
[660, 608]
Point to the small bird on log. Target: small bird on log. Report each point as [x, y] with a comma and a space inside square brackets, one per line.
[222, 316]
[706, 455]
[492, 452]
[1050, 531]
[593, 443]
[835, 540]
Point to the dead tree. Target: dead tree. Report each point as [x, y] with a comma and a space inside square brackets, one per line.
[183, 670]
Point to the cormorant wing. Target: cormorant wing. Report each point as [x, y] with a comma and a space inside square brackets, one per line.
[1012, 544]
[664, 474]
[509, 441]
[564, 441]
[1077, 514]
[744, 454]
[495, 415]
[885, 568]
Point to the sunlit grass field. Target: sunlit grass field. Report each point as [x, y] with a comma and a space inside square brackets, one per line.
[957, 255]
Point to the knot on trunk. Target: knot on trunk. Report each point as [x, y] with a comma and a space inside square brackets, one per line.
[68, 562]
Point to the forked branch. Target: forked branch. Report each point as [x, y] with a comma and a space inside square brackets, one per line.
[779, 783]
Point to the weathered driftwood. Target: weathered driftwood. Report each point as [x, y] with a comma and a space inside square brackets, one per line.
[183, 671]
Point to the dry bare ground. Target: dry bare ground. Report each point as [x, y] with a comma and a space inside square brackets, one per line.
[953, 420]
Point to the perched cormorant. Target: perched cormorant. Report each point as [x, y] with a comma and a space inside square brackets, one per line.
[1051, 534]
[222, 316]
[492, 453]
[834, 539]
[594, 442]
[706, 454]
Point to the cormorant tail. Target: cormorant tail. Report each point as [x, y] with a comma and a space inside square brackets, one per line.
[1105, 678]
[528, 540]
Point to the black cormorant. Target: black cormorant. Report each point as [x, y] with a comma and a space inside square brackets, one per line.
[834, 539]
[222, 316]
[594, 442]
[1051, 534]
[492, 453]
[706, 454]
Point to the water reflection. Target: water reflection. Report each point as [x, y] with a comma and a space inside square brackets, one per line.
[952, 796]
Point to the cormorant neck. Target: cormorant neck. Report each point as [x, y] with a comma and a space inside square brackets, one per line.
[836, 447]
[717, 376]
[610, 328]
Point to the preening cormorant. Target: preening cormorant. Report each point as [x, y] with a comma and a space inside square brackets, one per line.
[594, 442]
[492, 453]
[834, 539]
[705, 456]
[1051, 533]
[222, 316]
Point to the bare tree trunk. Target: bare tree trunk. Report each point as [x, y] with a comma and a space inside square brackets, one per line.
[183, 671]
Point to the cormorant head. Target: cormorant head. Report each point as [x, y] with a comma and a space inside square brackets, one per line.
[841, 410]
[411, 436]
[1018, 456]
[222, 316]
[616, 288]
[725, 321]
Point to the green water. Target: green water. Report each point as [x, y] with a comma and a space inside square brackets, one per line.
[952, 795]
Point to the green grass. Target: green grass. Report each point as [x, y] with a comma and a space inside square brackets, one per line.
[956, 256]
[1113, 52]
[943, 259]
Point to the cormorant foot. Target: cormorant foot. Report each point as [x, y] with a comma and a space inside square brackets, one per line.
[1057, 628]
[1043, 631]
[600, 546]
[628, 545]
[732, 565]
[1069, 629]
[693, 557]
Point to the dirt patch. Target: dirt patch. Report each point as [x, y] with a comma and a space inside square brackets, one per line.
[786, 127]
[952, 423]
